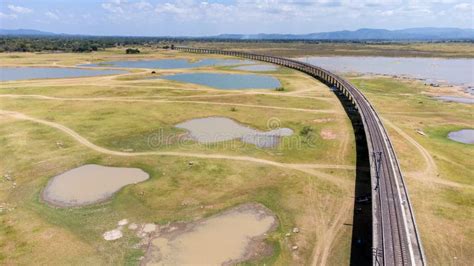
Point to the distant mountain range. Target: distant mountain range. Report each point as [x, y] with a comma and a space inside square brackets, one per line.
[365, 34]
[361, 34]
[25, 32]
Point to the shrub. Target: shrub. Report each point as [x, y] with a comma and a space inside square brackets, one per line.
[132, 51]
[306, 131]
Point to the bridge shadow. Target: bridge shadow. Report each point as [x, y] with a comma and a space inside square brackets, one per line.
[361, 246]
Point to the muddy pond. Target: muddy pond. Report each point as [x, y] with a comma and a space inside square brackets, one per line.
[227, 81]
[25, 73]
[89, 184]
[170, 63]
[465, 136]
[216, 129]
[228, 238]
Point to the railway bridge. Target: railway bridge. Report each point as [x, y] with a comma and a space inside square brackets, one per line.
[395, 237]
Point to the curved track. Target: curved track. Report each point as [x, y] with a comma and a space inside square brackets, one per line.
[395, 236]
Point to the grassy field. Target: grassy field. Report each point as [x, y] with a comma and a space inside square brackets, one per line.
[439, 171]
[110, 120]
[298, 49]
[308, 184]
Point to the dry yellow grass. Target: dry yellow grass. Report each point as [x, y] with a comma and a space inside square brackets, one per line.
[101, 110]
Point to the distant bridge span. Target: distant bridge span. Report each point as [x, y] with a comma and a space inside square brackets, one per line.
[395, 237]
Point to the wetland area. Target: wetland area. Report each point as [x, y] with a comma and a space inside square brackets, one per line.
[216, 129]
[84, 181]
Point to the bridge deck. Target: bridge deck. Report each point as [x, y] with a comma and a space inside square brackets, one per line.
[395, 235]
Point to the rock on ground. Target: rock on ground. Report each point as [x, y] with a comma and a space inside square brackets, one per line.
[112, 235]
[123, 222]
[148, 228]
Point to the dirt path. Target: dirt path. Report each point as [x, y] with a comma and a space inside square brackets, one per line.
[112, 81]
[322, 98]
[307, 168]
[329, 230]
[300, 91]
[252, 93]
[430, 173]
[328, 233]
[430, 167]
[322, 249]
[332, 233]
[119, 99]
[343, 146]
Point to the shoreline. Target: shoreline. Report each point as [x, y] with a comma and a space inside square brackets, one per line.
[443, 89]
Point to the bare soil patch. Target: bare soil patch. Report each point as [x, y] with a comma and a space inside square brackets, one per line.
[328, 134]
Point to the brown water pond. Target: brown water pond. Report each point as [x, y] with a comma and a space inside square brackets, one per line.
[89, 184]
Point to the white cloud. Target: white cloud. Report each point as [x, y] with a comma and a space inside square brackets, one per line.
[143, 5]
[294, 11]
[269, 11]
[51, 15]
[289, 15]
[261, 11]
[126, 7]
[387, 13]
[464, 7]
[172, 9]
[7, 16]
[19, 9]
[113, 8]
[118, 2]
[189, 10]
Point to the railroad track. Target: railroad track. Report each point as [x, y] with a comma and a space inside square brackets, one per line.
[395, 237]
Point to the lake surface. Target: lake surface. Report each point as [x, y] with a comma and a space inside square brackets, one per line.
[170, 63]
[24, 73]
[464, 136]
[90, 183]
[257, 68]
[227, 81]
[216, 129]
[452, 71]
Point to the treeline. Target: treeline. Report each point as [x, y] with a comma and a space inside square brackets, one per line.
[31, 44]
[76, 44]
[81, 44]
[132, 51]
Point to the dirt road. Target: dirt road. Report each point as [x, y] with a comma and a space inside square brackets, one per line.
[307, 168]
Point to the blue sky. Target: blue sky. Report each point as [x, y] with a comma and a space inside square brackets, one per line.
[196, 18]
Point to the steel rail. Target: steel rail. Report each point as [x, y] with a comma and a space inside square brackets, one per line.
[395, 233]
